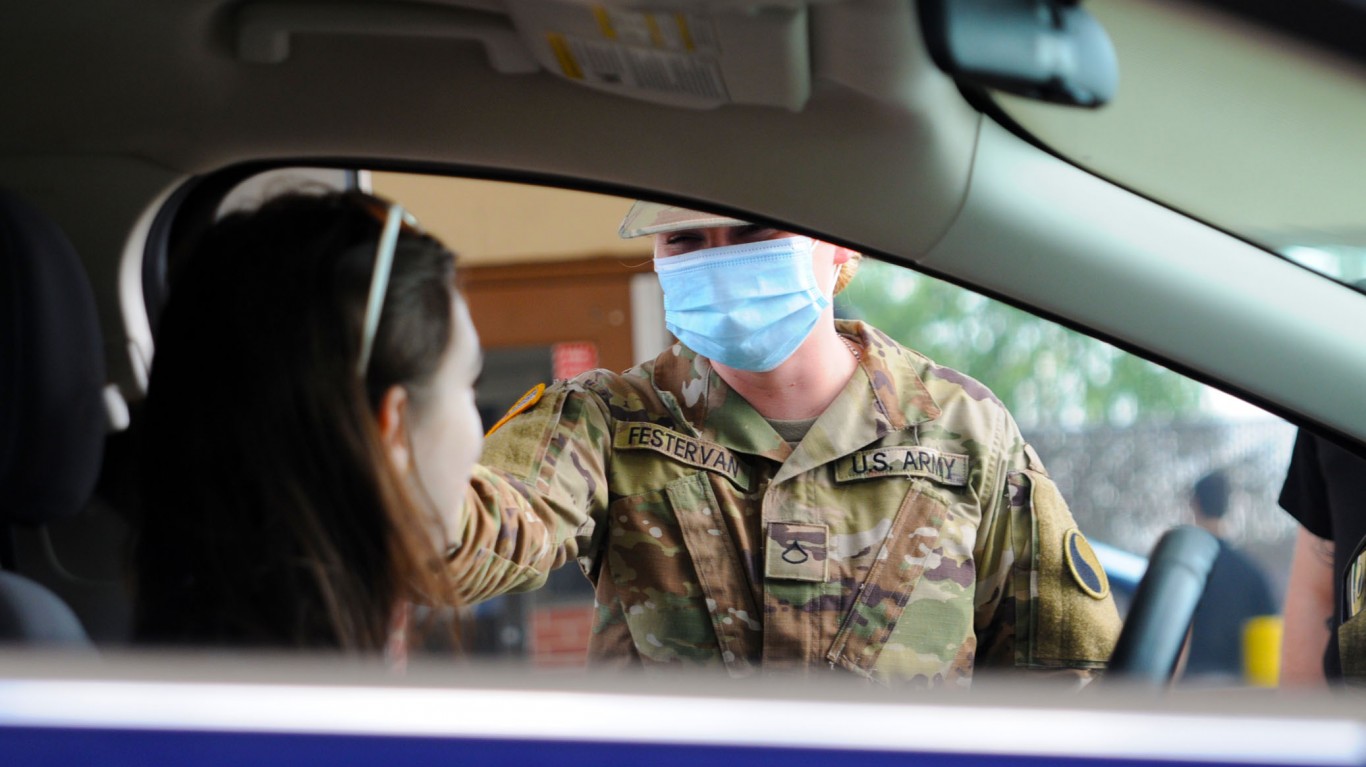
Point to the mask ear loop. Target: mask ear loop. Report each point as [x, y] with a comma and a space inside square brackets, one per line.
[835, 283]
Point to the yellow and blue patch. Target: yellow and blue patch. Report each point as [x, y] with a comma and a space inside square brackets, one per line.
[523, 404]
[1085, 565]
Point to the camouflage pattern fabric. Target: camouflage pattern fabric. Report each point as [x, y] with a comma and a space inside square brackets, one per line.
[912, 536]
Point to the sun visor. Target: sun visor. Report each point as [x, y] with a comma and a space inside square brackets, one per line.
[687, 54]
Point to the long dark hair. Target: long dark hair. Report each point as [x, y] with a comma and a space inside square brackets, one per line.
[273, 515]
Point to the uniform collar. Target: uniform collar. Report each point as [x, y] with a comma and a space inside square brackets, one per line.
[707, 407]
[885, 394]
[901, 395]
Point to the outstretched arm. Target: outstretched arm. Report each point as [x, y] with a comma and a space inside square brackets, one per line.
[534, 498]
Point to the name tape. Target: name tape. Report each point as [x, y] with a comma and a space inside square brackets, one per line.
[632, 435]
[906, 461]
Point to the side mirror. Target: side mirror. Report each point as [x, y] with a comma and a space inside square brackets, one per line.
[1050, 50]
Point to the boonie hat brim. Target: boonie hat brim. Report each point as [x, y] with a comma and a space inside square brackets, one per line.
[653, 218]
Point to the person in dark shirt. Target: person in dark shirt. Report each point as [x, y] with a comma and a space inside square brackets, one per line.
[1236, 591]
[1324, 490]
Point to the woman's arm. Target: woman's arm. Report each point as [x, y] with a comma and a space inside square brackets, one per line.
[1308, 612]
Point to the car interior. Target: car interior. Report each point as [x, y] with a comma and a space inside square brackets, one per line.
[1169, 191]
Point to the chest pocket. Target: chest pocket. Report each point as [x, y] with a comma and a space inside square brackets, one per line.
[678, 575]
[914, 545]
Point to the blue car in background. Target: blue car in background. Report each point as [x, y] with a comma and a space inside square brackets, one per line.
[1123, 569]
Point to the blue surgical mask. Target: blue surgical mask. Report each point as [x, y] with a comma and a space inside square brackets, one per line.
[746, 306]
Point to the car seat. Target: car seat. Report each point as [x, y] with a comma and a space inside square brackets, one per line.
[52, 413]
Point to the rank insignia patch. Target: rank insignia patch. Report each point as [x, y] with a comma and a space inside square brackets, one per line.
[1085, 565]
[797, 552]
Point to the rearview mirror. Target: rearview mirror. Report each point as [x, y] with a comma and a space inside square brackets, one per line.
[1051, 50]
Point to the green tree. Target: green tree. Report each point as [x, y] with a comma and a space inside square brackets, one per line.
[1046, 374]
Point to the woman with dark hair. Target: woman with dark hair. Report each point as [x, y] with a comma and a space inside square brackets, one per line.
[309, 417]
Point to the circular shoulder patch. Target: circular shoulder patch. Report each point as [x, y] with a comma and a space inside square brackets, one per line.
[522, 405]
[1085, 565]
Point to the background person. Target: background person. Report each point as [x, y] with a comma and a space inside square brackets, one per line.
[302, 440]
[781, 491]
[1236, 591]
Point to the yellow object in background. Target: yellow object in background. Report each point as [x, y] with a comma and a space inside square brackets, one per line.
[1262, 651]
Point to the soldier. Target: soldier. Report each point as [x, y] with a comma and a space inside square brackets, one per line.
[782, 491]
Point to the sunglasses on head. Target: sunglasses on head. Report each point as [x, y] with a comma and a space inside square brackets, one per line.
[394, 218]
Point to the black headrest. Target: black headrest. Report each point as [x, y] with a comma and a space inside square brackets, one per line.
[52, 376]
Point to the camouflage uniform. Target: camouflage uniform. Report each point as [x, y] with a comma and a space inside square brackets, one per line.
[911, 536]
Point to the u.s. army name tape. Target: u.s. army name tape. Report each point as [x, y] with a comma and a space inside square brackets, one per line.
[636, 435]
[904, 461]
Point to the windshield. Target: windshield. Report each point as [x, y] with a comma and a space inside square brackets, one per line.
[1125, 439]
[1254, 133]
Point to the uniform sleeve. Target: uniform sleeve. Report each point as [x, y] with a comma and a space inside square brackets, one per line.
[1044, 601]
[535, 496]
[1305, 494]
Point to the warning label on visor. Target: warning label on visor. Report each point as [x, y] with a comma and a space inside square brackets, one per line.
[610, 64]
